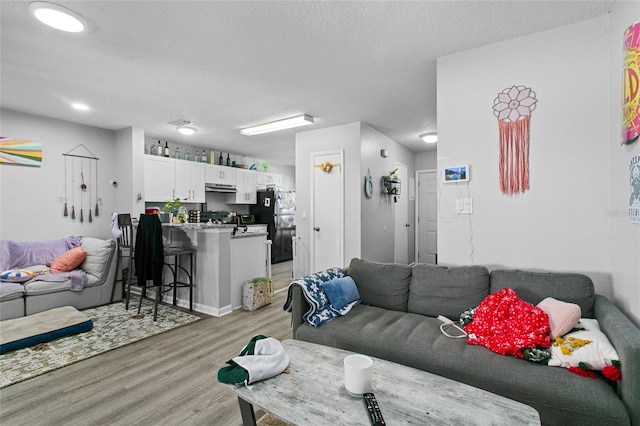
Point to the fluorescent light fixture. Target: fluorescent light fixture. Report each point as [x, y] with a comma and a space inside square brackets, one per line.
[274, 126]
[80, 107]
[58, 17]
[187, 130]
[429, 137]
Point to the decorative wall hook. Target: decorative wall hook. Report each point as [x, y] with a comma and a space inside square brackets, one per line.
[327, 166]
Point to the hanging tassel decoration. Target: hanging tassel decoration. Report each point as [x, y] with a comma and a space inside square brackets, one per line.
[66, 210]
[73, 188]
[96, 186]
[513, 108]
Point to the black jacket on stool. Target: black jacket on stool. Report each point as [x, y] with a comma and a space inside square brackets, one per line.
[149, 258]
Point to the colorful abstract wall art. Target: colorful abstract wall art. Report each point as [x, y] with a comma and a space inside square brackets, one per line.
[20, 152]
[631, 85]
[513, 108]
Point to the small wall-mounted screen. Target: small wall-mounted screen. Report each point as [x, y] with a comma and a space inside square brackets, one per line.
[456, 174]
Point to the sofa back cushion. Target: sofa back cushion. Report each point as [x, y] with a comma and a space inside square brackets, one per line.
[385, 285]
[99, 255]
[449, 291]
[533, 287]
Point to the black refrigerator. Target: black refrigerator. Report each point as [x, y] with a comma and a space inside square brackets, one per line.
[277, 209]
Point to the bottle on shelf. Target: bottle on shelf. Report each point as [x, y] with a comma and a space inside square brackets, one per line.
[220, 160]
[228, 160]
[152, 149]
[166, 149]
[178, 154]
[204, 156]
[196, 158]
[187, 155]
[159, 150]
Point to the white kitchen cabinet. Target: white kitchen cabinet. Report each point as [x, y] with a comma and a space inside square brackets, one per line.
[189, 181]
[263, 179]
[220, 174]
[168, 178]
[246, 186]
[159, 178]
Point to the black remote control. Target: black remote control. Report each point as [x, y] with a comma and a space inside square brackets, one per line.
[373, 409]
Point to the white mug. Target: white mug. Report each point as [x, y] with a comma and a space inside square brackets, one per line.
[357, 374]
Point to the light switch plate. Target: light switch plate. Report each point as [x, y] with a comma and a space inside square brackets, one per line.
[464, 205]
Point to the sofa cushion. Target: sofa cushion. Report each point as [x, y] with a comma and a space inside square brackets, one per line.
[16, 275]
[533, 287]
[563, 316]
[10, 291]
[68, 261]
[23, 254]
[385, 285]
[449, 291]
[98, 255]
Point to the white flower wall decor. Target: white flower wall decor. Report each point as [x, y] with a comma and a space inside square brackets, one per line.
[513, 108]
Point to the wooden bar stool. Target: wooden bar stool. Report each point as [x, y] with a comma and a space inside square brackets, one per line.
[176, 267]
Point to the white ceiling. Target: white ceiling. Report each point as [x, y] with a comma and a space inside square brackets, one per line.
[227, 65]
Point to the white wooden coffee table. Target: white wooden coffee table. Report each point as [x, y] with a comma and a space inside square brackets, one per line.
[313, 393]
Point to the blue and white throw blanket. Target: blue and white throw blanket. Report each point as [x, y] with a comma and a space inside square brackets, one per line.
[320, 310]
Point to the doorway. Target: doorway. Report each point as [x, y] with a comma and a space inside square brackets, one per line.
[427, 216]
[327, 210]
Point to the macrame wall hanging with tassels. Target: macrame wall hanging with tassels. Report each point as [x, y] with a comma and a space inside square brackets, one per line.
[81, 160]
[513, 108]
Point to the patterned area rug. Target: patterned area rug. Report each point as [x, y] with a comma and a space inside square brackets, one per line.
[113, 327]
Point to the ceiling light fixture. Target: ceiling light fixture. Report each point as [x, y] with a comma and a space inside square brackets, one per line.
[80, 107]
[187, 130]
[58, 17]
[429, 137]
[274, 126]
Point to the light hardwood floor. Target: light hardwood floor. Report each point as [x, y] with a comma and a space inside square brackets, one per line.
[168, 379]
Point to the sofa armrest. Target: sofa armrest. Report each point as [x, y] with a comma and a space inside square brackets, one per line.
[299, 307]
[625, 337]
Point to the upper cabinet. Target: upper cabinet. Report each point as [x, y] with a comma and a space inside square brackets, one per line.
[159, 178]
[246, 188]
[189, 181]
[168, 178]
[220, 174]
[263, 179]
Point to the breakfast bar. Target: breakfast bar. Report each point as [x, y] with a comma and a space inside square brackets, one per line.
[226, 257]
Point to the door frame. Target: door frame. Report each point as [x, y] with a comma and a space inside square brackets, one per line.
[404, 198]
[312, 241]
[417, 213]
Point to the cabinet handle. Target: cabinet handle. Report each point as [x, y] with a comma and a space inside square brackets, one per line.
[316, 228]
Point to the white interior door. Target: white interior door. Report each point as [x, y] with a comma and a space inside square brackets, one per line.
[427, 217]
[402, 225]
[327, 218]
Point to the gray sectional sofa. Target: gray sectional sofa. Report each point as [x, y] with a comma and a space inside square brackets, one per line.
[20, 299]
[397, 321]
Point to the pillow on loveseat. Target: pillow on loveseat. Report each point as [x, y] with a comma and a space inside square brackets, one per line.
[68, 261]
[385, 285]
[16, 275]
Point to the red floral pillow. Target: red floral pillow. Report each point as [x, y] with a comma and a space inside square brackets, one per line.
[68, 261]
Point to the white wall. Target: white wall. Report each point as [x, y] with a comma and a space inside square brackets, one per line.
[32, 201]
[346, 137]
[378, 212]
[625, 236]
[560, 223]
[426, 160]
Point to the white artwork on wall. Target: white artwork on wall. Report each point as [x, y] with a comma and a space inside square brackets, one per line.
[634, 189]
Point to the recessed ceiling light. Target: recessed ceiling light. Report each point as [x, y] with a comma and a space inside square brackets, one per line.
[429, 137]
[187, 130]
[58, 17]
[287, 123]
[80, 107]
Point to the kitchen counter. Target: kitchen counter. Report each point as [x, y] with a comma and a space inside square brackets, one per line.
[223, 262]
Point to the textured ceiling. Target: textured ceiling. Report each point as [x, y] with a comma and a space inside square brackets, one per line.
[226, 65]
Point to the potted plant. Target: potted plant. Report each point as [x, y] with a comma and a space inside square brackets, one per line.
[170, 210]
